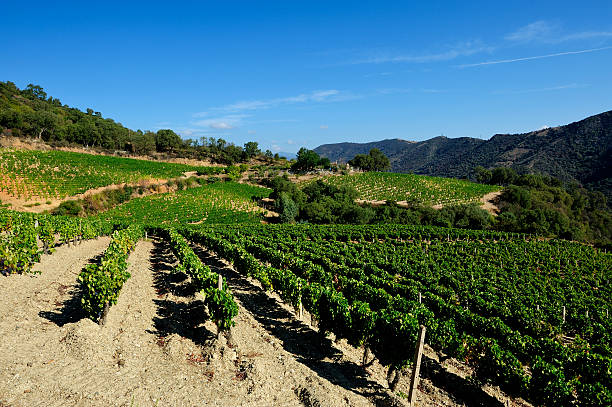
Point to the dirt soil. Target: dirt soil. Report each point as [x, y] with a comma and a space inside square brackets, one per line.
[158, 349]
[489, 202]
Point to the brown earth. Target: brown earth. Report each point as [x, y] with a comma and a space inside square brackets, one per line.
[158, 349]
[489, 202]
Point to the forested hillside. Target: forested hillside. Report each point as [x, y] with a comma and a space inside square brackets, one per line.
[31, 113]
[580, 151]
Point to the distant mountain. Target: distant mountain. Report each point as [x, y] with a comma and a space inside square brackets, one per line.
[580, 151]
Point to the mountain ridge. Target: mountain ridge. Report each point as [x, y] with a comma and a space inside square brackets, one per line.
[580, 151]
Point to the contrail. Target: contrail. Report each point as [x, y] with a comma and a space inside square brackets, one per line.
[506, 61]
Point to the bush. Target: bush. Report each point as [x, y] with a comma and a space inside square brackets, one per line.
[69, 208]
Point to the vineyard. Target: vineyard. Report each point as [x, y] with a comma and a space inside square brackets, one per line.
[531, 316]
[24, 237]
[216, 203]
[526, 314]
[383, 186]
[40, 175]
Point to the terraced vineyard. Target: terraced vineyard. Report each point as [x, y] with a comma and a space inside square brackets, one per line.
[39, 175]
[531, 316]
[217, 203]
[382, 186]
[528, 315]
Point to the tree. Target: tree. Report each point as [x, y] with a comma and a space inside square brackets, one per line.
[167, 140]
[483, 175]
[306, 160]
[34, 92]
[380, 162]
[251, 149]
[143, 143]
[43, 121]
[286, 208]
[503, 176]
[375, 160]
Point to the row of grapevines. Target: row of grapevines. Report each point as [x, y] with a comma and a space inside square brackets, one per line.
[57, 174]
[558, 372]
[217, 203]
[422, 189]
[23, 234]
[396, 332]
[101, 283]
[220, 303]
[449, 269]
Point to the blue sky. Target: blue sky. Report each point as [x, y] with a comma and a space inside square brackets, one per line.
[302, 73]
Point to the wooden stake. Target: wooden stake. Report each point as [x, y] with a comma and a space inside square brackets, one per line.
[416, 367]
[419, 297]
[564, 314]
[220, 284]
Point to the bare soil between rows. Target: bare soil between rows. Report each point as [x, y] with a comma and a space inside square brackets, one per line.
[158, 348]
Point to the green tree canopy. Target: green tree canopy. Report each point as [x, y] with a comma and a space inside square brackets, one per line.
[375, 160]
[306, 160]
[167, 140]
[251, 149]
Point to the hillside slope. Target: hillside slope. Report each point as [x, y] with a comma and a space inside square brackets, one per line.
[580, 151]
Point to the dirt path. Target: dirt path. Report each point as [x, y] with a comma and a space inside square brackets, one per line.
[33, 308]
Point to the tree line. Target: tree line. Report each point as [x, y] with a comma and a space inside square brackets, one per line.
[31, 113]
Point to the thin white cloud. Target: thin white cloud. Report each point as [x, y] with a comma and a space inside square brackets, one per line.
[196, 133]
[558, 54]
[221, 126]
[433, 90]
[370, 75]
[551, 33]
[544, 127]
[324, 126]
[535, 90]
[534, 31]
[587, 35]
[225, 122]
[464, 49]
[392, 91]
[251, 132]
[318, 96]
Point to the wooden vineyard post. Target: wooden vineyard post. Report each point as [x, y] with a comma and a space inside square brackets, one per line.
[419, 297]
[416, 367]
[301, 309]
[564, 314]
[220, 283]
